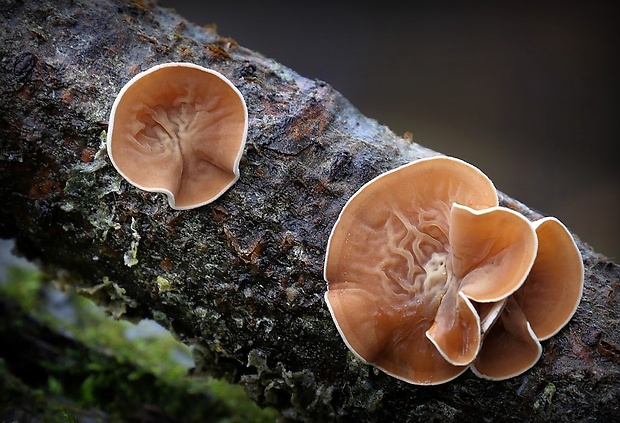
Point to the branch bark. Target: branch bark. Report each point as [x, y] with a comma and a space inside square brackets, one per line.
[241, 279]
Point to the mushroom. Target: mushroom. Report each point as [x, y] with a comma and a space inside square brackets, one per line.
[413, 255]
[550, 295]
[179, 129]
[539, 309]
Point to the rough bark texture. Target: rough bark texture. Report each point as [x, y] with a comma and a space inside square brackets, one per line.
[242, 278]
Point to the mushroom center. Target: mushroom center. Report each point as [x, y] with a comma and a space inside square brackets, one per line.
[418, 258]
[437, 278]
[162, 128]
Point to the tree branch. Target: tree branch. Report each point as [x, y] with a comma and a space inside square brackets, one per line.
[241, 278]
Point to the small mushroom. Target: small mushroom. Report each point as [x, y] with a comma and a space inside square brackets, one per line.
[411, 258]
[510, 347]
[179, 129]
[492, 251]
[550, 295]
[539, 309]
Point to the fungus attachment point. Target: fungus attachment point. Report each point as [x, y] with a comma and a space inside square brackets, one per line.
[179, 129]
[427, 275]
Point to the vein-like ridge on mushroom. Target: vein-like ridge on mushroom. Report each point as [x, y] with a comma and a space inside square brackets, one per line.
[421, 264]
[179, 129]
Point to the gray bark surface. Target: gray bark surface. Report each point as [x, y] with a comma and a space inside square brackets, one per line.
[241, 278]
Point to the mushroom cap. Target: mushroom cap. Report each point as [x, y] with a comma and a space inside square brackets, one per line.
[492, 252]
[179, 129]
[510, 348]
[398, 263]
[550, 295]
[538, 309]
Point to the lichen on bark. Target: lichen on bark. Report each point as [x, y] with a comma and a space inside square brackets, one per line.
[244, 281]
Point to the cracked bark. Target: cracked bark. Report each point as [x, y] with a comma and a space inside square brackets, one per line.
[241, 278]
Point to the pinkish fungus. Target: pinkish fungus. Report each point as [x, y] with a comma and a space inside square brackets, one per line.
[539, 309]
[421, 263]
[179, 129]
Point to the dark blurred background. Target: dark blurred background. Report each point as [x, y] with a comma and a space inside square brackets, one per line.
[526, 93]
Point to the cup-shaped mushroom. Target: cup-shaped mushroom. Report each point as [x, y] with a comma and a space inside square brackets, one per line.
[179, 129]
[538, 309]
[492, 252]
[410, 256]
[550, 295]
[510, 348]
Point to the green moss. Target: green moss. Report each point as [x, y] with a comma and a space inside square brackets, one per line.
[23, 284]
[543, 400]
[163, 284]
[86, 183]
[107, 294]
[145, 369]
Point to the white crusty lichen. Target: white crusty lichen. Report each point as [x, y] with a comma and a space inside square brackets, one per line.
[130, 257]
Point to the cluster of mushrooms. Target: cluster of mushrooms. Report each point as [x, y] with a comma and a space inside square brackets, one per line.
[427, 275]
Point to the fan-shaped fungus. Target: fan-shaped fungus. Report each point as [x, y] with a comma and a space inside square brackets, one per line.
[539, 309]
[410, 259]
[179, 129]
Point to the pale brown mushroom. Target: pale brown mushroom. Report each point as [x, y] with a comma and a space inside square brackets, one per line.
[492, 252]
[539, 309]
[550, 295]
[179, 129]
[489, 313]
[410, 257]
[510, 348]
